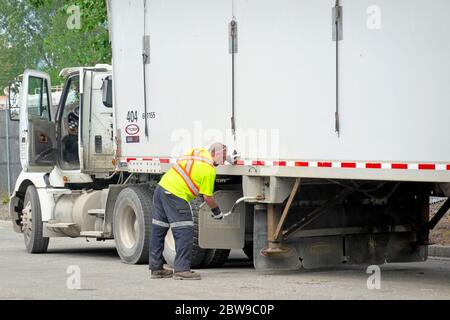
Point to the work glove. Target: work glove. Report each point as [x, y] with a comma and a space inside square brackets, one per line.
[233, 158]
[216, 213]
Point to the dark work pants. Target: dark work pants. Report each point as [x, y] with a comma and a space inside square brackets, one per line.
[171, 211]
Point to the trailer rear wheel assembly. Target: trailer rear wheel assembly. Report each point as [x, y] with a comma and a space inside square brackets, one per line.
[132, 224]
[219, 257]
[201, 258]
[248, 249]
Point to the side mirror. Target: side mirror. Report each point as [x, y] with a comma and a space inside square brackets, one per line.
[13, 100]
[107, 92]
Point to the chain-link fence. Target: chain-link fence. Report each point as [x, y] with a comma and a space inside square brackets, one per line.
[9, 153]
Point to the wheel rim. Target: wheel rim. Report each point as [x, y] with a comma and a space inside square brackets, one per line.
[128, 228]
[27, 222]
[170, 240]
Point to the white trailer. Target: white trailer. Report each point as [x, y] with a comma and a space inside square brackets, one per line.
[338, 110]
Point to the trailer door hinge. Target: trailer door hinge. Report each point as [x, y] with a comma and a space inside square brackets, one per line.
[233, 37]
[146, 49]
[337, 21]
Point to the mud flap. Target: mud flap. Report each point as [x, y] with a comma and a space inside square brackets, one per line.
[228, 233]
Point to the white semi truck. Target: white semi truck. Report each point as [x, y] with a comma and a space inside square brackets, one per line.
[338, 109]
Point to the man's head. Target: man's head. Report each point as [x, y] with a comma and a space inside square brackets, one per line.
[218, 152]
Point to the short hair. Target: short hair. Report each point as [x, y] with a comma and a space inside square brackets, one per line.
[217, 147]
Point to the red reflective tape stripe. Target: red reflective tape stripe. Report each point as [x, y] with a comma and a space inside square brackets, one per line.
[399, 166]
[301, 164]
[427, 166]
[324, 164]
[320, 164]
[348, 165]
[258, 163]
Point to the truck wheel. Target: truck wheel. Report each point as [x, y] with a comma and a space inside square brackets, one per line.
[248, 250]
[215, 258]
[132, 224]
[198, 254]
[32, 225]
[219, 258]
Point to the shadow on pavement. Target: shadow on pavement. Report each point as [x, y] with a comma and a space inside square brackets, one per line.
[88, 252]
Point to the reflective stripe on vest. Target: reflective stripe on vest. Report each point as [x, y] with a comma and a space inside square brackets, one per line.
[185, 173]
[187, 179]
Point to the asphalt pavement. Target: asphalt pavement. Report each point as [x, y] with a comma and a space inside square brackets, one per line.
[77, 269]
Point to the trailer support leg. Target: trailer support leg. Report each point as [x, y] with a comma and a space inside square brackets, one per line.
[286, 209]
[275, 222]
[275, 249]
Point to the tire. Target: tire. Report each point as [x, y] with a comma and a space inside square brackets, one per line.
[248, 250]
[132, 224]
[215, 258]
[219, 258]
[198, 254]
[33, 230]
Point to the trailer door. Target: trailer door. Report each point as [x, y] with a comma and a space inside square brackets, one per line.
[285, 86]
[37, 130]
[395, 79]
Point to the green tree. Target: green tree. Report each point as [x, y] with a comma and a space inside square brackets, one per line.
[34, 34]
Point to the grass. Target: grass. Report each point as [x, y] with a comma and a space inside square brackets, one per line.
[4, 199]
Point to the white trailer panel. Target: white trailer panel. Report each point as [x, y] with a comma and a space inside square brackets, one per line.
[393, 79]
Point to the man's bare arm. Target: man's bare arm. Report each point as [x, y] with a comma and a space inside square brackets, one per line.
[210, 201]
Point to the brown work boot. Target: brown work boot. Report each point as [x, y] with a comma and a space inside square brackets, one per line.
[158, 274]
[186, 275]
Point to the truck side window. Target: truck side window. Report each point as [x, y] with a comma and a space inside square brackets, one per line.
[37, 98]
[107, 92]
[69, 126]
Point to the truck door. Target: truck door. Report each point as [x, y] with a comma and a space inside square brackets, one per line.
[37, 130]
[68, 123]
[97, 123]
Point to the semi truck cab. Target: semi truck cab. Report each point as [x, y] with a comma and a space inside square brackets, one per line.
[59, 140]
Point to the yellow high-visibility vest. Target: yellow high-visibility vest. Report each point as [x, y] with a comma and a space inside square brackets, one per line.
[193, 174]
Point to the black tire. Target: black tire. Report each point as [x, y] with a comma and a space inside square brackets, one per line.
[33, 230]
[208, 258]
[219, 258]
[215, 258]
[198, 253]
[132, 224]
[248, 250]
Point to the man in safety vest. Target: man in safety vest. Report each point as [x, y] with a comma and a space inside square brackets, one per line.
[192, 175]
